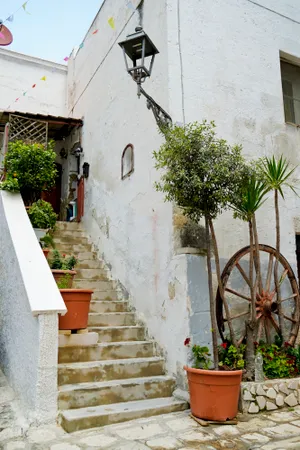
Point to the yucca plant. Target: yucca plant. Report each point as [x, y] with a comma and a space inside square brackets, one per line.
[252, 197]
[277, 173]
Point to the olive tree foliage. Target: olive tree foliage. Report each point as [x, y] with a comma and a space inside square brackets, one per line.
[203, 175]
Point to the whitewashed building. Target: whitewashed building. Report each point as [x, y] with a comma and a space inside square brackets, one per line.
[234, 62]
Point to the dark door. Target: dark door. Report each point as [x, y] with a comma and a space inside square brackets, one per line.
[53, 196]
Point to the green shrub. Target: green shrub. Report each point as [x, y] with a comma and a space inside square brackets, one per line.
[277, 362]
[10, 184]
[42, 215]
[60, 262]
[33, 165]
[231, 357]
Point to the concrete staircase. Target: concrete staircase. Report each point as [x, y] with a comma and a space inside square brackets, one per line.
[122, 377]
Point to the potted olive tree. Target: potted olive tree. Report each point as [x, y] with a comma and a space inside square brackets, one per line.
[202, 174]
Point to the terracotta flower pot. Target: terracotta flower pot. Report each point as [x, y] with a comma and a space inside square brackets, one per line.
[77, 302]
[46, 252]
[214, 394]
[60, 275]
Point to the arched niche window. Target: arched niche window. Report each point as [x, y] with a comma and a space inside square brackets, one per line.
[127, 162]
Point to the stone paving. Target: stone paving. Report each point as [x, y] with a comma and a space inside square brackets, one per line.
[177, 431]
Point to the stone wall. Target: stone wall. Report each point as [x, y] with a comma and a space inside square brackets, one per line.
[269, 395]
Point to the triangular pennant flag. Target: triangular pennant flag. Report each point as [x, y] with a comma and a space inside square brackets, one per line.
[17, 99]
[10, 18]
[2, 36]
[43, 78]
[81, 45]
[33, 86]
[24, 93]
[95, 32]
[24, 7]
[66, 58]
[111, 22]
[130, 5]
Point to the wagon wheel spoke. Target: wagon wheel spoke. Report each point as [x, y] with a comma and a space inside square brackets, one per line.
[238, 294]
[238, 315]
[241, 339]
[243, 273]
[282, 277]
[288, 298]
[289, 318]
[267, 330]
[274, 323]
[260, 328]
[269, 273]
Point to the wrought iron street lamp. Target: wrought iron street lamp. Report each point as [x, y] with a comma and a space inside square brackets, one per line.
[139, 54]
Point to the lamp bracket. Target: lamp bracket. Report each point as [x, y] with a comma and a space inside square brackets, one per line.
[161, 116]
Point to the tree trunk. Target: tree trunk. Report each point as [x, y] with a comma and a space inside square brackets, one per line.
[220, 284]
[257, 255]
[276, 267]
[211, 297]
[251, 323]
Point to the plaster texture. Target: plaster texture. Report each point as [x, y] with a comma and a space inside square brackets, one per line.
[20, 72]
[30, 302]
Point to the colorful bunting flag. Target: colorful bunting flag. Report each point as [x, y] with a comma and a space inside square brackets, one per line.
[66, 58]
[24, 7]
[43, 78]
[10, 18]
[17, 99]
[33, 86]
[24, 93]
[81, 45]
[95, 32]
[130, 5]
[111, 22]
[2, 36]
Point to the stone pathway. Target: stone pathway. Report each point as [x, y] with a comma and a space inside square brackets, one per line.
[177, 431]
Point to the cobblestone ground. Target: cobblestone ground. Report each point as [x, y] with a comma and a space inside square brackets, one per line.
[272, 431]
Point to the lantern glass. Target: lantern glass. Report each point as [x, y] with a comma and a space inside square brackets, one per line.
[137, 47]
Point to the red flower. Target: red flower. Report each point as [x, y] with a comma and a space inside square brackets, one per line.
[287, 344]
[187, 341]
[64, 255]
[224, 345]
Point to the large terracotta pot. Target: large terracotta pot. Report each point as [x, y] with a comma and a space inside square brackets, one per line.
[214, 394]
[60, 274]
[77, 302]
[46, 252]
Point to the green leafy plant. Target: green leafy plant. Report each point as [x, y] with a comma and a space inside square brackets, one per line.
[42, 215]
[10, 184]
[201, 174]
[201, 355]
[278, 173]
[64, 282]
[277, 363]
[231, 357]
[47, 241]
[33, 165]
[61, 262]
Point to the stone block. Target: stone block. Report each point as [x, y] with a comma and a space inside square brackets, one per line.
[247, 396]
[279, 400]
[78, 340]
[253, 408]
[293, 384]
[260, 390]
[283, 388]
[261, 401]
[270, 406]
[291, 400]
[271, 393]
[253, 390]
[276, 387]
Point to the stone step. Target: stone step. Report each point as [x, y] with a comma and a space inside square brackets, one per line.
[69, 226]
[108, 306]
[89, 263]
[83, 395]
[68, 233]
[94, 284]
[83, 418]
[72, 249]
[111, 319]
[106, 351]
[92, 274]
[118, 369]
[105, 295]
[61, 239]
[119, 334]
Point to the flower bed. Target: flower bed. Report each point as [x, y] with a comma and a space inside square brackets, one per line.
[269, 395]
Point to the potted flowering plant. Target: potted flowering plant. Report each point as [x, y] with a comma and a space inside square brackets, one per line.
[62, 268]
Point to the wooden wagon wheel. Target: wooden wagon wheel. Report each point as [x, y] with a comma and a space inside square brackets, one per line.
[236, 284]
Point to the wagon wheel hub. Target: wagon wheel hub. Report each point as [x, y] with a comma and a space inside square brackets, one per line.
[265, 304]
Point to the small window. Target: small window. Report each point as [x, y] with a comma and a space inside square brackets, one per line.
[127, 163]
[290, 77]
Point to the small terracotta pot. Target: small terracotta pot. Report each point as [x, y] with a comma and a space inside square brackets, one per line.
[46, 252]
[77, 302]
[60, 274]
[214, 394]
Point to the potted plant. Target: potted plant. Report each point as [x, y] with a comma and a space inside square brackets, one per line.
[30, 168]
[47, 242]
[77, 302]
[62, 268]
[42, 217]
[203, 175]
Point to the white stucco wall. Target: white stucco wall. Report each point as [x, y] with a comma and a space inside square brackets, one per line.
[128, 220]
[30, 302]
[228, 69]
[20, 72]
